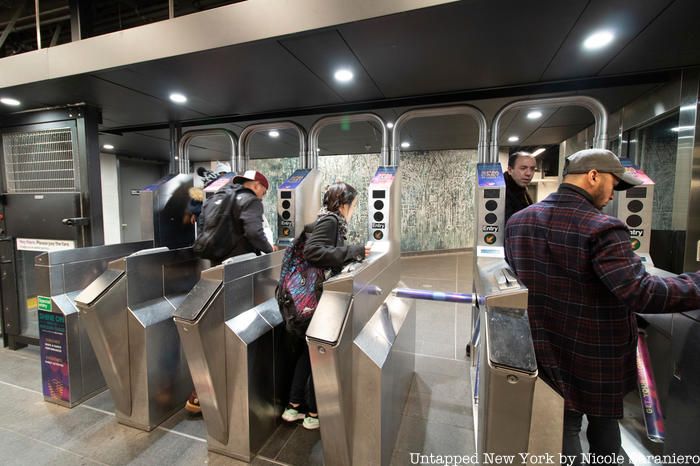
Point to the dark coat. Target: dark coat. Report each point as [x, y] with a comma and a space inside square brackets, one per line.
[247, 224]
[517, 197]
[585, 284]
[325, 248]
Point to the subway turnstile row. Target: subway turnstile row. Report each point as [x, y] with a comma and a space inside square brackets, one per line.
[127, 313]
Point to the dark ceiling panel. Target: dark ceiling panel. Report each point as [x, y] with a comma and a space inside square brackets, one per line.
[232, 80]
[350, 138]
[569, 116]
[323, 53]
[520, 125]
[624, 18]
[463, 45]
[551, 135]
[151, 146]
[441, 133]
[673, 40]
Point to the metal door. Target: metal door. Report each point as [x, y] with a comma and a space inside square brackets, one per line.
[41, 211]
[132, 177]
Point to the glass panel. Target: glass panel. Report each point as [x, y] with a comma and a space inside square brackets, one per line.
[659, 145]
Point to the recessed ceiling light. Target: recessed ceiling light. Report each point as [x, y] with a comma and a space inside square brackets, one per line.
[513, 139]
[533, 115]
[390, 125]
[538, 151]
[598, 40]
[108, 146]
[273, 133]
[10, 101]
[343, 75]
[405, 144]
[178, 98]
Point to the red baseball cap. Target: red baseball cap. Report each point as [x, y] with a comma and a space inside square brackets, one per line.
[251, 175]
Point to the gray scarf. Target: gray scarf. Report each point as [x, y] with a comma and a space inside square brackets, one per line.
[342, 224]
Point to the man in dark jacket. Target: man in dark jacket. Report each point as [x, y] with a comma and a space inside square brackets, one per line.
[521, 169]
[585, 284]
[248, 214]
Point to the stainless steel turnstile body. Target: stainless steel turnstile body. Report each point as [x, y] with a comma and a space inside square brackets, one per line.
[514, 410]
[232, 333]
[362, 343]
[70, 373]
[128, 316]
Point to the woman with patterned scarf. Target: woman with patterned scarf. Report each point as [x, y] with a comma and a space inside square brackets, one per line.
[325, 248]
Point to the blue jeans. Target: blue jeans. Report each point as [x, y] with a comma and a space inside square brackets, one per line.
[603, 434]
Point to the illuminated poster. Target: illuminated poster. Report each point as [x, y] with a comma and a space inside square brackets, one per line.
[54, 355]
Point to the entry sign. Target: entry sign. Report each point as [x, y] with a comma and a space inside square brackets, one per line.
[44, 303]
[54, 354]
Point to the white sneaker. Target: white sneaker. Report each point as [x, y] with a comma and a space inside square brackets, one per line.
[311, 423]
[292, 414]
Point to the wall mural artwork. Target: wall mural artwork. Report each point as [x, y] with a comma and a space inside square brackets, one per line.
[437, 194]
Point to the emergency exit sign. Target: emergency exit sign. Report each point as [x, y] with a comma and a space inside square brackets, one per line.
[44, 303]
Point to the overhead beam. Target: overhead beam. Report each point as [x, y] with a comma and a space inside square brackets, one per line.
[234, 24]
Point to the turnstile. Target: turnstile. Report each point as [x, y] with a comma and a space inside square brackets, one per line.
[127, 312]
[232, 332]
[362, 342]
[69, 371]
[514, 410]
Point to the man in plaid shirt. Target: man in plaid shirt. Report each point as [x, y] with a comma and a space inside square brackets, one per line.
[585, 284]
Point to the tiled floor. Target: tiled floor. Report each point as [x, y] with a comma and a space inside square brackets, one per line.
[437, 417]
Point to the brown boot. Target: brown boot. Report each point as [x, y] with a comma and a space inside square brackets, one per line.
[192, 405]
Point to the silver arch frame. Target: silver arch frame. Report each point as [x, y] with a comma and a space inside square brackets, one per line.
[321, 123]
[248, 131]
[184, 145]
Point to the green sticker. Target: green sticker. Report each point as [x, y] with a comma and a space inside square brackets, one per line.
[44, 303]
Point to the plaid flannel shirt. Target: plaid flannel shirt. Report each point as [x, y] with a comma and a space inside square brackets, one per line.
[585, 284]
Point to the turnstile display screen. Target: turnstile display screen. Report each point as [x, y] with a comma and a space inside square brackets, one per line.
[285, 194]
[381, 194]
[492, 193]
[636, 193]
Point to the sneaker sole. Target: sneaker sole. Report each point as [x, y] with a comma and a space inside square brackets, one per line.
[295, 418]
[314, 427]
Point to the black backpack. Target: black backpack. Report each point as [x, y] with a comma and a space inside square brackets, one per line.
[218, 236]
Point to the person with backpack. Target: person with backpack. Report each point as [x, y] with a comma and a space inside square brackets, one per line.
[325, 254]
[232, 224]
[233, 220]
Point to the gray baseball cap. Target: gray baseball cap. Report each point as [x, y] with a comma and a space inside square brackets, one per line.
[603, 161]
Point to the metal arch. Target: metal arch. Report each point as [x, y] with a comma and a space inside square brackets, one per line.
[315, 131]
[244, 140]
[184, 145]
[441, 111]
[600, 115]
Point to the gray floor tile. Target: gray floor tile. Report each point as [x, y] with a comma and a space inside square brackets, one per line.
[186, 423]
[429, 283]
[20, 450]
[303, 448]
[436, 348]
[216, 459]
[428, 365]
[278, 440]
[20, 368]
[416, 435]
[425, 406]
[442, 266]
[103, 401]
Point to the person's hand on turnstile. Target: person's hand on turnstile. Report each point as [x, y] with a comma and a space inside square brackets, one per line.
[368, 248]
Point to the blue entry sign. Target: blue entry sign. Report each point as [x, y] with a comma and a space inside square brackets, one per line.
[490, 175]
[54, 356]
[296, 178]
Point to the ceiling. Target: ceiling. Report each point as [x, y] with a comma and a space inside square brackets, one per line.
[486, 53]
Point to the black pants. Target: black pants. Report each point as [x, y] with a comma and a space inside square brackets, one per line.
[302, 390]
[603, 434]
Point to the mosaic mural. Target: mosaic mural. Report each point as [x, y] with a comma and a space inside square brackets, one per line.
[659, 162]
[437, 194]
